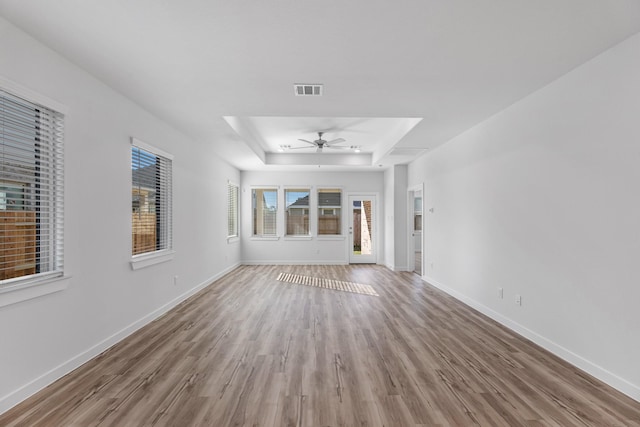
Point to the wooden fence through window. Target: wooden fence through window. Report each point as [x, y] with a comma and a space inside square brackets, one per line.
[144, 232]
[18, 244]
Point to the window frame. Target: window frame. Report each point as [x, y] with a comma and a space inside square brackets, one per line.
[275, 235]
[27, 287]
[307, 208]
[233, 209]
[166, 253]
[340, 214]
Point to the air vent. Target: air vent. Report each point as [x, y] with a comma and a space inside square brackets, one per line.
[307, 89]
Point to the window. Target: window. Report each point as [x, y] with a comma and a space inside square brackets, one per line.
[150, 199]
[232, 210]
[265, 209]
[297, 214]
[329, 211]
[31, 190]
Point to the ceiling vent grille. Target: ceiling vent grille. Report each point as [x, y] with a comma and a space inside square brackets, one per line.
[307, 89]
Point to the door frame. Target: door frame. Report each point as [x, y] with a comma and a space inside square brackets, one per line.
[375, 220]
[411, 261]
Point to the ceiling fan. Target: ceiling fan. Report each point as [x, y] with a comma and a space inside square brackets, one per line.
[321, 143]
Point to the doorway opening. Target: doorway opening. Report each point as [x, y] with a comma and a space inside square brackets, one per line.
[363, 233]
[415, 230]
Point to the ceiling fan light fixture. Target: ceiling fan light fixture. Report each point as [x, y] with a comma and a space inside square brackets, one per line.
[355, 148]
[283, 147]
[320, 144]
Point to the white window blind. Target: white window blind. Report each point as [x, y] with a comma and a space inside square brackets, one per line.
[232, 210]
[31, 190]
[151, 200]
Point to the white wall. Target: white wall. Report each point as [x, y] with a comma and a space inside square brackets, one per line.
[396, 231]
[43, 338]
[542, 200]
[317, 250]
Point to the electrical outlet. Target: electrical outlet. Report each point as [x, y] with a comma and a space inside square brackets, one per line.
[500, 293]
[518, 300]
[175, 280]
[431, 265]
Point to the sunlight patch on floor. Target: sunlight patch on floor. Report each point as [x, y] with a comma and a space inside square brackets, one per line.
[337, 285]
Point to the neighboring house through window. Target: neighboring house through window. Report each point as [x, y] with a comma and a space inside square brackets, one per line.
[329, 211]
[297, 214]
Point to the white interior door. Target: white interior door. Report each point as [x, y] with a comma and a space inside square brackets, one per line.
[363, 233]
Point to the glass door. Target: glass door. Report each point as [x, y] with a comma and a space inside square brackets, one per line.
[362, 229]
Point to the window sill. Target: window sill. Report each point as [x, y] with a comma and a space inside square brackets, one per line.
[147, 260]
[265, 238]
[23, 291]
[298, 237]
[233, 239]
[331, 237]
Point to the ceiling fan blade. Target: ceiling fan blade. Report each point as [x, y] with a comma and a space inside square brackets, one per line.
[336, 141]
[308, 142]
[338, 147]
[299, 148]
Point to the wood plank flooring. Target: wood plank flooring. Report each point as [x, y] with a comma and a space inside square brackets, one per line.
[252, 351]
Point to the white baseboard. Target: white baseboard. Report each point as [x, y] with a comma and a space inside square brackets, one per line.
[624, 386]
[10, 400]
[396, 268]
[290, 262]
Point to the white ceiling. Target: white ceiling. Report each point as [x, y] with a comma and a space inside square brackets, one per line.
[374, 137]
[221, 70]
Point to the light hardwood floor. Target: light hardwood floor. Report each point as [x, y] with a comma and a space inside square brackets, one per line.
[250, 350]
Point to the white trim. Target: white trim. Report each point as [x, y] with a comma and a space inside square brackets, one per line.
[148, 147]
[296, 262]
[233, 239]
[330, 187]
[32, 96]
[13, 398]
[329, 237]
[396, 268]
[146, 260]
[265, 238]
[294, 237]
[624, 386]
[23, 291]
[297, 187]
[264, 187]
